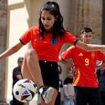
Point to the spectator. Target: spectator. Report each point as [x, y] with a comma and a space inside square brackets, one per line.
[69, 94]
[17, 76]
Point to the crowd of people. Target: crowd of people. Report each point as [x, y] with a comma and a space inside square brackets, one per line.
[67, 84]
[40, 62]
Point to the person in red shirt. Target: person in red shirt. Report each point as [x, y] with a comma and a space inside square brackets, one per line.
[85, 79]
[40, 61]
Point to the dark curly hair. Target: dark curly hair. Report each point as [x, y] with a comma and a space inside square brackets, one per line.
[86, 29]
[58, 29]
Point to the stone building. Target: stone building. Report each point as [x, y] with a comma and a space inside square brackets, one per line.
[16, 16]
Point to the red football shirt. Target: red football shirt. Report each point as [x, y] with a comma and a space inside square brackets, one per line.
[85, 65]
[45, 49]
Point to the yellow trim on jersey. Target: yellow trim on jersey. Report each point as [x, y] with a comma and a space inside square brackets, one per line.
[77, 79]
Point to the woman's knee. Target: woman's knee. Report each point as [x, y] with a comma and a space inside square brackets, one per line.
[30, 54]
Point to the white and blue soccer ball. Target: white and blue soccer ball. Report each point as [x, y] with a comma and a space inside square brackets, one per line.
[24, 90]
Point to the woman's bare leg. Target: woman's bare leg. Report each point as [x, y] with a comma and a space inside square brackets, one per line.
[31, 69]
[53, 99]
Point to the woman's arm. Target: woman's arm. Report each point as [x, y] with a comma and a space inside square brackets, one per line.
[90, 47]
[11, 50]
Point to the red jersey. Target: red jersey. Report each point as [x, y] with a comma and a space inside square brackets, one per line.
[85, 65]
[45, 49]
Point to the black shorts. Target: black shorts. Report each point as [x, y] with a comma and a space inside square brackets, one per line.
[50, 73]
[85, 96]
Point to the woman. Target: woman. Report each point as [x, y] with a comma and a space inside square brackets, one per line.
[40, 63]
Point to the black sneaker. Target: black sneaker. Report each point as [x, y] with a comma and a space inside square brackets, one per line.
[46, 93]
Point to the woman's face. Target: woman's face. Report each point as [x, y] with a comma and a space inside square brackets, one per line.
[47, 20]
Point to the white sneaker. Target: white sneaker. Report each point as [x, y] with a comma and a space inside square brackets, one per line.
[46, 93]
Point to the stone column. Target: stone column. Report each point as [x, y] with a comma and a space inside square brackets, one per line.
[80, 13]
[3, 33]
[103, 23]
[88, 13]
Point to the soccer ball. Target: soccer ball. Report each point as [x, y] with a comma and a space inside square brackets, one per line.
[24, 90]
